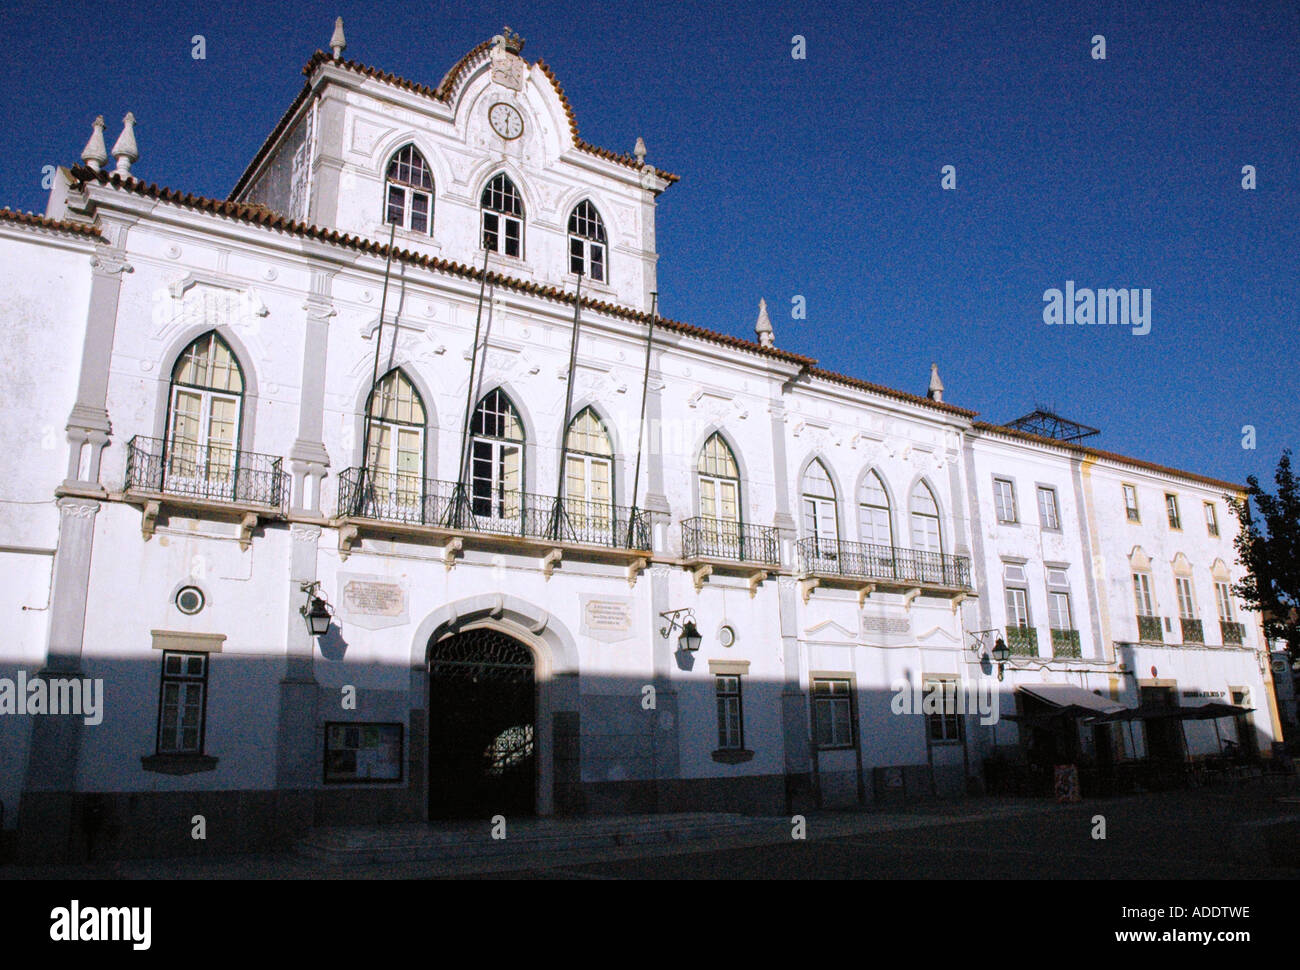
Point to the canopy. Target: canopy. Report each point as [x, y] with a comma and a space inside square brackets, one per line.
[1072, 700]
[1201, 712]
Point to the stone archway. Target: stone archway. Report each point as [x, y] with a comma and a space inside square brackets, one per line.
[481, 726]
[555, 678]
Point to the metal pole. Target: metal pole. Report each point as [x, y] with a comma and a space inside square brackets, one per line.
[374, 372]
[558, 511]
[640, 427]
[458, 496]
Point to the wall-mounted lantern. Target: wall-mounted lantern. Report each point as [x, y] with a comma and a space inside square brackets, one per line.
[316, 611]
[690, 638]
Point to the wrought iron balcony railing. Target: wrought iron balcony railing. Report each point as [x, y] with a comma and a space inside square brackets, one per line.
[708, 538]
[864, 560]
[1022, 641]
[1233, 633]
[207, 472]
[1150, 629]
[1192, 631]
[1065, 643]
[412, 500]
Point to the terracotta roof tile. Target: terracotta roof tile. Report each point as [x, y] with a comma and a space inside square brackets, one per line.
[889, 392]
[1110, 456]
[261, 215]
[41, 222]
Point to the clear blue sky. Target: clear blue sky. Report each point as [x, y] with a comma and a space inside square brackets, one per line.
[821, 177]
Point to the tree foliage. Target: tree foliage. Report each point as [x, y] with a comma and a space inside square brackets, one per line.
[1268, 546]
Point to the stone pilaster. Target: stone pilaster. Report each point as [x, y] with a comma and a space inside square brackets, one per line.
[794, 705]
[308, 458]
[46, 820]
[296, 748]
[88, 426]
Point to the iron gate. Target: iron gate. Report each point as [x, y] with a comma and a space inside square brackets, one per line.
[482, 713]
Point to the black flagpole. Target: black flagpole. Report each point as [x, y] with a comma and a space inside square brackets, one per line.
[374, 378]
[640, 427]
[458, 498]
[558, 513]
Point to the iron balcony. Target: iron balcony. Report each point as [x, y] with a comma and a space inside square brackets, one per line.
[1065, 643]
[1150, 629]
[1234, 634]
[707, 539]
[1022, 641]
[205, 474]
[428, 504]
[1192, 631]
[888, 565]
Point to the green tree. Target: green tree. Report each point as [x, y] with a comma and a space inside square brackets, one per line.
[1271, 554]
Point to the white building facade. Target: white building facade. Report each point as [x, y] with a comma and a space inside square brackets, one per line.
[220, 411]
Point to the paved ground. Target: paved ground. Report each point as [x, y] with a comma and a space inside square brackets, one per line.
[1203, 833]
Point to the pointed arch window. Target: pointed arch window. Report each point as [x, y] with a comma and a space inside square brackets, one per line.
[503, 216]
[819, 516]
[396, 445]
[589, 477]
[587, 245]
[409, 191]
[719, 483]
[925, 519]
[874, 524]
[496, 458]
[205, 408]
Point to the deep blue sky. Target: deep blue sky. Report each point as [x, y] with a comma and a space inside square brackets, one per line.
[821, 177]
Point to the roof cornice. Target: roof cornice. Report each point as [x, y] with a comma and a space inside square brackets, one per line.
[1097, 454]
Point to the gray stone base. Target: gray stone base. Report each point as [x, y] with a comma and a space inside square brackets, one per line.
[90, 826]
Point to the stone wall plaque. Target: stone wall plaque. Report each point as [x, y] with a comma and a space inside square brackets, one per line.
[373, 602]
[607, 618]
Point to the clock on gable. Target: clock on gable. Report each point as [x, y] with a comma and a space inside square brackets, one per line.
[506, 120]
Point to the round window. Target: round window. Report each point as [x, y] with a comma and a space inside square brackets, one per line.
[190, 600]
[726, 636]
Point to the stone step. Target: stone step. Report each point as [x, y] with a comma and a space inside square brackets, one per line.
[524, 837]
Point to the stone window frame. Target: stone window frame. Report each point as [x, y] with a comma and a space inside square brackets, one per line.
[171, 643]
[739, 669]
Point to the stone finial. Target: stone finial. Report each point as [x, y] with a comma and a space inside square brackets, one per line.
[95, 154]
[338, 43]
[763, 327]
[639, 150]
[935, 393]
[124, 149]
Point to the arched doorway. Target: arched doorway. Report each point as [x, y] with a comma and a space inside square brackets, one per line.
[482, 726]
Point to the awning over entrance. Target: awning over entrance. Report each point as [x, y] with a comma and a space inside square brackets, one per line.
[1069, 699]
[1201, 712]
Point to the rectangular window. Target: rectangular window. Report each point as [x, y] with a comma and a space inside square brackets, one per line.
[1171, 506]
[396, 204]
[513, 236]
[419, 212]
[1211, 519]
[731, 725]
[832, 714]
[182, 703]
[576, 255]
[597, 261]
[1048, 517]
[1004, 499]
[1131, 503]
[1224, 596]
[1017, 607]
[1186, 606]
[1058, 611]
[1142, 594]
[944, 726]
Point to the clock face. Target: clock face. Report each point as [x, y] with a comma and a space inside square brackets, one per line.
[506, 121]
